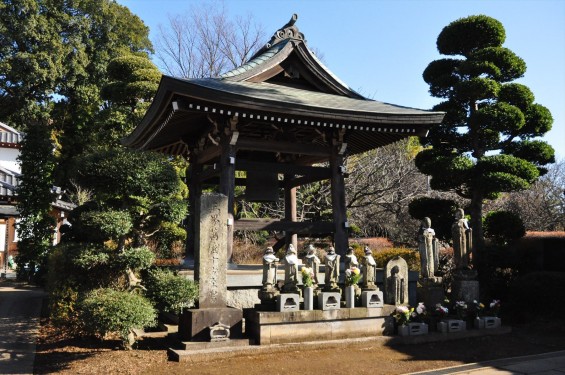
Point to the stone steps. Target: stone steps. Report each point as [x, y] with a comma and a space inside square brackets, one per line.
[208, 351]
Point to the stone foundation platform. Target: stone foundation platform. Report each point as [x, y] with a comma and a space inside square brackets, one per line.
[267, 328]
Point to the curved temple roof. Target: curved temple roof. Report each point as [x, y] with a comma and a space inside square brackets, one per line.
[283, 85]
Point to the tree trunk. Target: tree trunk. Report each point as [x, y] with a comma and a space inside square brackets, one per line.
[477, 226]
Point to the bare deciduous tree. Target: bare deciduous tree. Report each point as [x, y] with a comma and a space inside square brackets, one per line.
[542, 207]
[381, 183]
[205, 42]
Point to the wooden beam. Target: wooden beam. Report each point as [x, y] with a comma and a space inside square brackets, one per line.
[299, 181]
[245, 165]
[209, 154]
[318, 227]
[282, 147]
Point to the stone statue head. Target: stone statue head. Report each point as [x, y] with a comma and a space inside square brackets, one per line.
[291, 250]
[426, 223]
[368, 251]
[331, 250]
[394, 271]
[269, 250]
[459, 214]
[311, 250]
[350, 251]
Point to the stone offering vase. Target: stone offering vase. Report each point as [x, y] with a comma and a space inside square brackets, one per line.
[350, 296]
[308, 298]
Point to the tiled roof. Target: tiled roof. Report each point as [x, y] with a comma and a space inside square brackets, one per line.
[8, 182]
[266, 56]
[303, 98]
[9, 134]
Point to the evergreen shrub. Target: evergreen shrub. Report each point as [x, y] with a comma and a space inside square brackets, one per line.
[169, 292]
[107, 311]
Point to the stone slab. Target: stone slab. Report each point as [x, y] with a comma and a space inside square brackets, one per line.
[210, 354]
[194, 323]
[201, 345]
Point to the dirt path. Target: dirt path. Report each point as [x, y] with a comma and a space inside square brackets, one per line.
[78, 356]
[20, 307]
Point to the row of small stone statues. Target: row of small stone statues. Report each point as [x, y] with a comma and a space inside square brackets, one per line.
[396, 283]
[311, 260]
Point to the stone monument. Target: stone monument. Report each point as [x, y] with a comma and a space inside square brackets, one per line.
[331, 271]
[396, 282]
[269, 291]
[210, 273]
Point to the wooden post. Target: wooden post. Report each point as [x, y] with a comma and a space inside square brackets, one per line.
[338, 201]
[290, 210]
[227, 187]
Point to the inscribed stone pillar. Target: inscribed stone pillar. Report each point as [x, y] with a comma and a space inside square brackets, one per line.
[211, 251]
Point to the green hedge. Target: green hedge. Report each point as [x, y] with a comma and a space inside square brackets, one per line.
[536, 296]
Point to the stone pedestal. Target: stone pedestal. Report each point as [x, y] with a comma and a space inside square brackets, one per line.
[465, 286]
[288, 302]
[372, 299]
[431, 295]
[194, 324]
[329, 301]
[265, 328]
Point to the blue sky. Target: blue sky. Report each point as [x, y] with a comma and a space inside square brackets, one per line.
[380, 48]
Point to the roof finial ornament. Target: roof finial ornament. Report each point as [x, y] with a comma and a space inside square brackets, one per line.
[288, 31]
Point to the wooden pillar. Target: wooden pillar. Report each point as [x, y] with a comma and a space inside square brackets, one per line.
[194, 194]
[338, 201]
[227, 187]
[290, 210]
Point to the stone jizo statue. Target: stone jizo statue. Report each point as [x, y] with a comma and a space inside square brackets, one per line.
[462, 240]
[350, 259]
[331, 270]
[312, 261]
[269, 269]
[396, 282]
[368, 266]
[290, 270]
[428, 248]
